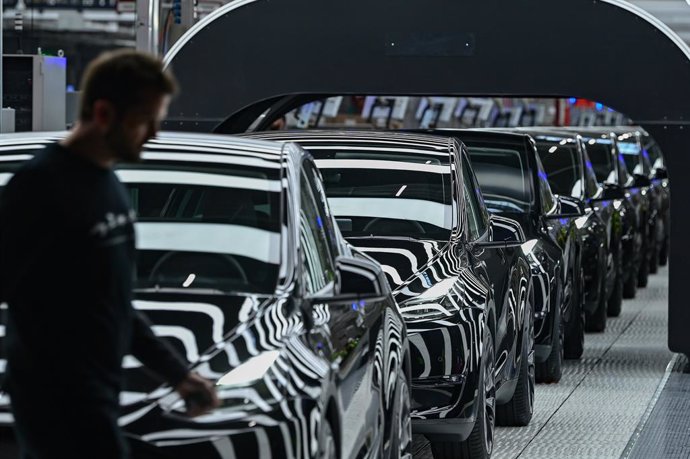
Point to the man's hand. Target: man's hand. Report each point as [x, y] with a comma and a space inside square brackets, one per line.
[198, 393]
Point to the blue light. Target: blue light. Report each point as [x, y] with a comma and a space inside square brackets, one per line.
[588, 164]
[319, 222]
[56, 61]
[362, 303]
[542, 175]
[645, 153]
[572, 101]
[563, 221]
[354, 306]
[70, 88]
[620, 157]
[599, 106]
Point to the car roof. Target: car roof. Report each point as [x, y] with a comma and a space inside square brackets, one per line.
[476, 133]
[178, 142]
[417, 143]
[543, 132]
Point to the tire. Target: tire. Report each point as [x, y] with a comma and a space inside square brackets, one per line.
[401, 433]
[480, 443]
[518, 411]
[596, 321]
[654, 260]
[574, 342]
[630, 285]
[328, 448]
[615, 302]
[643, 271]
[663, 253]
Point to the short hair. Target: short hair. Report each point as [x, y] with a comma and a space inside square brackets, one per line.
[126, 78]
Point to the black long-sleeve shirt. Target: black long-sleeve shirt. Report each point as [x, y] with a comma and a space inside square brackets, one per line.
[66, 269]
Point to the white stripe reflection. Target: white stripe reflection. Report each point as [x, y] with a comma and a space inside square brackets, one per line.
[244, 241]
[197, 178]
[434, 213]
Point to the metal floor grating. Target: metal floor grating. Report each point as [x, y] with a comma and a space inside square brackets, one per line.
[599, 402]
[664, 435]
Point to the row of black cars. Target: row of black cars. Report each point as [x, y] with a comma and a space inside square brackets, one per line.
[345, 288]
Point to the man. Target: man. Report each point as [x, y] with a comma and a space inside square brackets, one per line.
[66, 266]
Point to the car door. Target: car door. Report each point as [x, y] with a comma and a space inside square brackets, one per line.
[493, 264]
[345, 325]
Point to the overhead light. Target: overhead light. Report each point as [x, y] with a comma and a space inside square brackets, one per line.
[189, 280]
[552, 149]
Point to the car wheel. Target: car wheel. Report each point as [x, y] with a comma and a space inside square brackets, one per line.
[663, 253]
[480, 443]
[643, 271]
[518, 411]
[654, 259]
[574, 343]
[615, 302]
[551, 370]
[630, 284]
[328, 445]
[596, 321]
[401, 435]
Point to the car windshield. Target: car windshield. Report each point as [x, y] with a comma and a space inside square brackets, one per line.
[210, 227]
[206, 228]
[562, 166]
[599, 151]
[388, 193]
[502, 177]
[630, 150]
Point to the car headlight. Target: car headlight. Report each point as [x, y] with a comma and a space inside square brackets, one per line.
[250, 372]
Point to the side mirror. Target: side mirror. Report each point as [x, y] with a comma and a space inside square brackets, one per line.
[356, 280]
[612, 192]
[568, 208]
[505, 232]
[642, 180]
[661, 173]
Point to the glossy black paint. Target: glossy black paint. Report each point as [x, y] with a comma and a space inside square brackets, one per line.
[612, 173]
[597, 229]
[646, 195]
[548, 247]
[662, 185]
[451, 291]
[326, 346]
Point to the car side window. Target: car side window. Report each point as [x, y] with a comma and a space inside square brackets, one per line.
[476, 220]
[591, 185]
[315, 180]
[318, 268]
[548, 200]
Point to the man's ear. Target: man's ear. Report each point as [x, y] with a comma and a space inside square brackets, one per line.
[103, 113]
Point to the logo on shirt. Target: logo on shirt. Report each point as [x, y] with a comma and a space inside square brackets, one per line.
[113, 222]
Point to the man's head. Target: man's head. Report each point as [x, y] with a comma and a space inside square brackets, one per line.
[125, 95]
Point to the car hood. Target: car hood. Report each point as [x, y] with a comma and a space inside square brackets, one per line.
[197, 327]
[400, 258]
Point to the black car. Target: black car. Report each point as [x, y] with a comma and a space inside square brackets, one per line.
[514, 185]
[647, 198]
[611, 172]
[242, 267]
[661, 183]
[460, 277]
[570, 173]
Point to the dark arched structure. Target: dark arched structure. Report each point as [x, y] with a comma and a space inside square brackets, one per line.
[604, 50]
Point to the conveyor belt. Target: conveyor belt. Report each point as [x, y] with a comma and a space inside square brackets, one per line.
[595, 409]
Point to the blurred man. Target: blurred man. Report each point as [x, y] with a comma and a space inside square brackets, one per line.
[66, 269]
